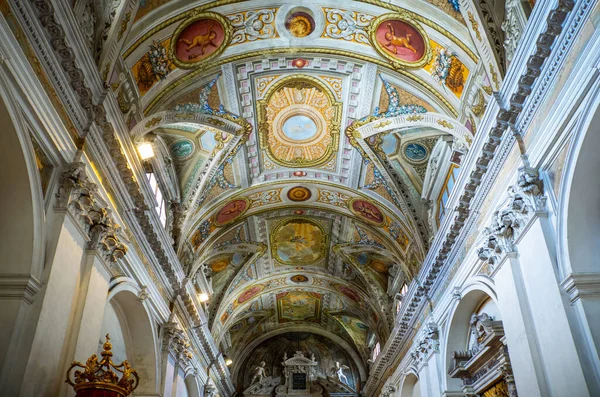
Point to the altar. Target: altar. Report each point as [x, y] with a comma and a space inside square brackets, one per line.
[299, 378]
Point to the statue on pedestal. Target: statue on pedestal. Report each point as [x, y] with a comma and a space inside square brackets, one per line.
[259, 373]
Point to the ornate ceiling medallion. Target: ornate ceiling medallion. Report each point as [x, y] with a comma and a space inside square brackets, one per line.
[300, 24]
[299, 278]
[400, 39]
[299, 193]
[367, 211]
[415, 153]
[182, 149]
[231, 211]
[199, 39]
[299, 122]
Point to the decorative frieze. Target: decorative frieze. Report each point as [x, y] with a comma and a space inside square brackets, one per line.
[513, 26]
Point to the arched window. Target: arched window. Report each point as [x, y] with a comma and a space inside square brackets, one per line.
[446, 191]
[376, 351]
[401, 295]
[161, 205]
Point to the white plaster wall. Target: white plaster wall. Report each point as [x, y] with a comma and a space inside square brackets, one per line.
[168, 378]
[45, 363]
[112, 325]
[558, 353]
[181, 388]
[520, 346]
[416, 391]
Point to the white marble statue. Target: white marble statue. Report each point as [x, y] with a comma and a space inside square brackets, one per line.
[259, 373]
[339, 371]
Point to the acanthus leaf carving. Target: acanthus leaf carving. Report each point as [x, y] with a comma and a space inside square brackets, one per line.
[427, 344]
[526, 198]
[78, 195]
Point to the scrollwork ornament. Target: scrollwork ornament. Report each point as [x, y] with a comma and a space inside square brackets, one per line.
[73, 176]
[253, 25]
[347, 25]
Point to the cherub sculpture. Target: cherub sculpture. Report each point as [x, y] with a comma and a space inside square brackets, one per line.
[259, 373]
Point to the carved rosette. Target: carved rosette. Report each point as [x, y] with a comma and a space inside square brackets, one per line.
[79, 196]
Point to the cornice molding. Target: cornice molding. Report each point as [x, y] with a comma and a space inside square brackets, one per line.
[582, 286]
[19, 286]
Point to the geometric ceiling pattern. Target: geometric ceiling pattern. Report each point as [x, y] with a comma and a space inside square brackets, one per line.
[305, 150]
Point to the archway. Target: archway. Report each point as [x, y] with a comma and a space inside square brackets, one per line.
[579, 234]
[459, 335]
[325, 351]
[22, 245]
[132, 336]
[410, 386]
[581, 198]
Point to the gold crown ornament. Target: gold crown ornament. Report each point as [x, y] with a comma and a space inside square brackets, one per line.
[99, 376]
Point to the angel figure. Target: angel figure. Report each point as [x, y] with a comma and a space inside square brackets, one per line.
[259, 373]
[339, 371]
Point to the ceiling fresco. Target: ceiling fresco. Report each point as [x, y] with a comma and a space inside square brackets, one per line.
[304, 151]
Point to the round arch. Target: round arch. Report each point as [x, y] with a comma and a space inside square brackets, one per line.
[301, 328]
[192, 386]
[21, 206]
[579, 209]
[410, 386]
[456, 336]
[22, 247]
[141, 346]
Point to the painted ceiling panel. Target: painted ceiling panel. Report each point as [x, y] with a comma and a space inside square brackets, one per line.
[301, 140]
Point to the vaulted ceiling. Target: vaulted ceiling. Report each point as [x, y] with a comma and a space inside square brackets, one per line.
[304, 150]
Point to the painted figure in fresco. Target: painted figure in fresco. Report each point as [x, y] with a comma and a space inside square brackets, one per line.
[368, 212]
[202, 41]
[339, 371]
[397, 41]
[259, 373]
[237, 208]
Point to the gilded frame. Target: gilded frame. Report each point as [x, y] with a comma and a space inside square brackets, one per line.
[334, 127]
[232, 220]
[362, 217]
[227, 34]
[284, 222]
[317, 316]
[395, 62]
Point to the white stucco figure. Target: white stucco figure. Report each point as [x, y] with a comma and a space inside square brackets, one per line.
[339, 371]
[259, 373]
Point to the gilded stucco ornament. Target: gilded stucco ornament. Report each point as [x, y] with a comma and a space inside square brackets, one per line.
[299, 122]
[401, 40]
